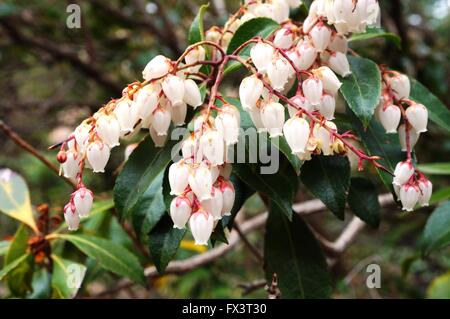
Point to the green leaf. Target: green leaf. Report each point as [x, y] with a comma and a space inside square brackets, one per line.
[328, 178]
[378, 143]
[440, 287]
[67, 277]
[15, 198]
[292, 252]
[435, 168]
[363, 200]
[362, 89]
[4, 247]
[376, 33]
[110, 255]
[440, 195]
[437, 111]
[12, 265]
[436, 234]
[262, 27]
[164, 241]
[276, 186]
[18, 246]
[196, 32]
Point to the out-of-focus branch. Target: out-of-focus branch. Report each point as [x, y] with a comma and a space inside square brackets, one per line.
[30, 149]
[58, 52]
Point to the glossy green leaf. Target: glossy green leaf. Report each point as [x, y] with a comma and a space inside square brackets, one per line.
[362, 89]
[196, 31]
[363, 200]
[67, 277]
[435, 168]
[328, 178]
[164, 241]
[292, 252]
[15, 198]
[436, 234]
[437, 111]
[111, 256]
[440, 287]
[377, 33]
[12, 266]
[440, 195]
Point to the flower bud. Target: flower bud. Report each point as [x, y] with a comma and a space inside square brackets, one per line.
[125, 116]
[83, 199]
[250, 91]
[413, 137]
[213, 34]
[71, 166]
[228, 195]
[200, 181]
[161, 121]
[272, 116]
[313, 89]
[327, 106]
[179, 114]
[426, 189]
[284, 38]
[195, 55]
[173, 88]
[192, 95]
[261, 54]
[307, 53]
[228, 123]
[403, 172]
[180, 211]
[212, 147]
[81, 135]
[417, 115]
[320, 36]
[214, 204]
[390, 118]
[331, 83]
[98, 156]
[159, 140]
[71, 217]
[296, 130]
[61, 157]
[409, 195]
[278, 73]
[108, 129]
[178, 177]
[401, 86]
[156, 68]
[201, 224]
[339, 63]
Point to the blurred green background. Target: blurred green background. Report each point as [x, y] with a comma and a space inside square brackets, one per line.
[51, 77]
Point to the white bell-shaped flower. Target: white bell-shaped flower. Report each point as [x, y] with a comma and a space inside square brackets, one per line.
[159, 140]
[126, 117]
[284, 38]
[214, 204]
[280, 10]
[108, 129]
[98, 156]
[188, 147]
[417, 115]
[228, 124]
[146, 100]
[158, 67]
[390, 117]
[213, 147]
[324, 137]
[272, 116]
[71, 217]
[403, 172]
[426, 190]
[255, 115]
[71, 166]
[200, 181]
[409, 196]
[180, 211]
[338, 62]
[301, 103]
[201, 224]
[179, 114]
[307, 53]
[294, 3]
[261, 54]
[320, 36]
[173, 88]
[161, 121]
[178, 177]
[192, 95]
[327, 106]
[296, 130]
[331, 83]
[313, 89]
[81, 135]
[250, 91]
[413, 137]
[82, 199]
[338, 43]
[228, 195]
[195, 55]
[400, 85]
[278, 73]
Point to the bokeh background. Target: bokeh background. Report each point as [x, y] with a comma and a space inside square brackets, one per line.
[51, 77]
